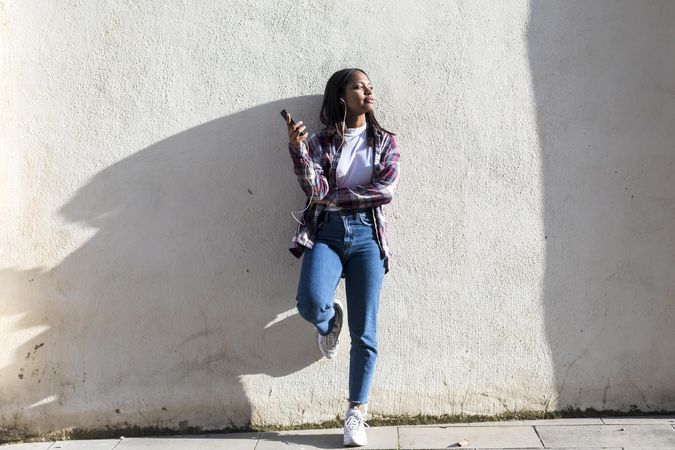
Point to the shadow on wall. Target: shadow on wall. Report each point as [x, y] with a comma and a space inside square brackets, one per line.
[603, 76]
[157, 316]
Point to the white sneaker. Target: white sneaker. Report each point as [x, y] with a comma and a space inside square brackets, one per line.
[355, 428]
[329, 344]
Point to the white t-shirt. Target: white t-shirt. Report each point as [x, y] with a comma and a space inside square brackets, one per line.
[355, 165]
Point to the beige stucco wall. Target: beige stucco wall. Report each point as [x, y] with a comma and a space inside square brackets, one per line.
[146, 192]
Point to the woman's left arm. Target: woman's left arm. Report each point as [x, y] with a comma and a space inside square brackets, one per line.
[380, 192]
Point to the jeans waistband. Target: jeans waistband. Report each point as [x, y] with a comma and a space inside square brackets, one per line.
[347, 212]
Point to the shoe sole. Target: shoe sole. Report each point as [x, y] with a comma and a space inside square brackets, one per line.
[354, 444]
[325, 355]
[318, 336]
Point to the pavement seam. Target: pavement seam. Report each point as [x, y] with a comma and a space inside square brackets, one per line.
[118, 443]
[257, 441]
[539, 437]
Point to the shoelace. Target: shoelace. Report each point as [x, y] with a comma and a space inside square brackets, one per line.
[331, 341]
[353, 421]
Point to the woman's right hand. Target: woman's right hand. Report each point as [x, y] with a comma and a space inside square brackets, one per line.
[296, 134]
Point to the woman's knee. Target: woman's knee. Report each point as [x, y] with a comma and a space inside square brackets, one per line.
[312, 308]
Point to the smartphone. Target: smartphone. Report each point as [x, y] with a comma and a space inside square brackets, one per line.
[284, 114]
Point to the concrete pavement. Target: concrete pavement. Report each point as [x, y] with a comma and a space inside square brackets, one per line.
[627, 433]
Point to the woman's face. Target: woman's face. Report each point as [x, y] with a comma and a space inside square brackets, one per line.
[359, 95]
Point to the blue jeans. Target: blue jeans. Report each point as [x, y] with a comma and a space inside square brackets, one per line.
[345, 241]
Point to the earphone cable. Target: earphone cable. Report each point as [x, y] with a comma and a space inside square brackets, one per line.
[342, 137]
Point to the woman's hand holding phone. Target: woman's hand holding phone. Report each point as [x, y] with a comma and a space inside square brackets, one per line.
[297, 135]
[296, 132]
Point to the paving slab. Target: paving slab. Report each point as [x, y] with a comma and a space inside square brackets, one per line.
[230, 441]
[88, 444]
[647, 448]
[329, 438]
[29, 446]
[608, 435]
[478, 437]
[519, 423]
[638, 420]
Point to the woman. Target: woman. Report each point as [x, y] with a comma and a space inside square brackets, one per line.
[348, 170]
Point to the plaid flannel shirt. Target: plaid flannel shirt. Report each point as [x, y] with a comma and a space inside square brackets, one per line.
[315, 164]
